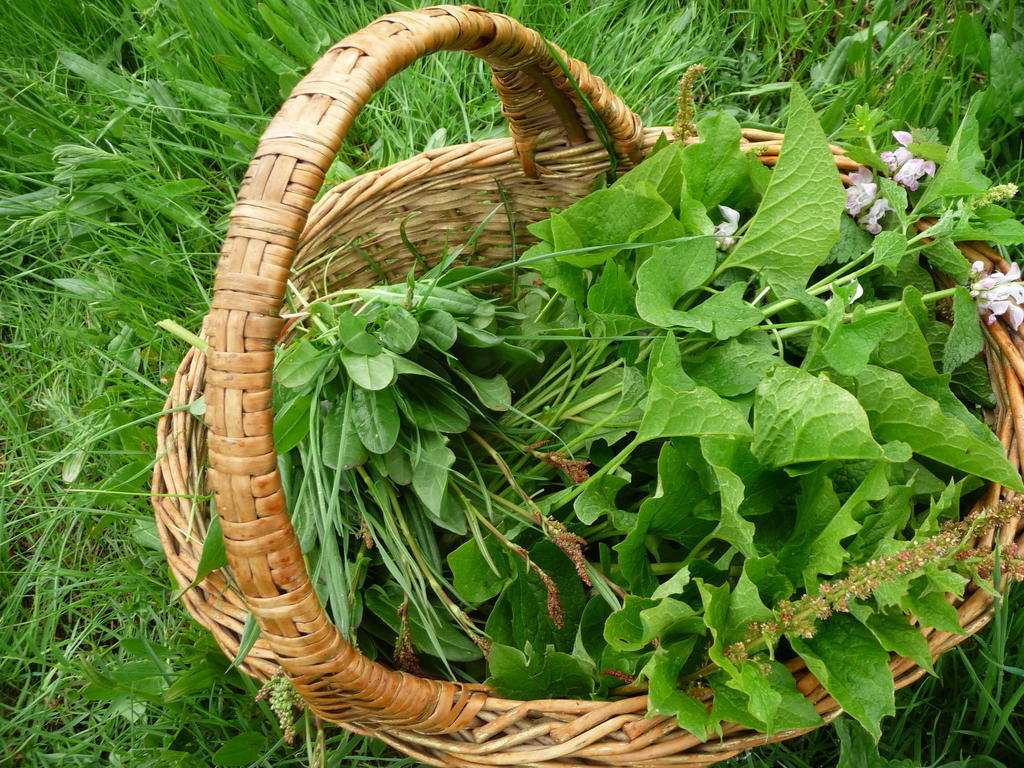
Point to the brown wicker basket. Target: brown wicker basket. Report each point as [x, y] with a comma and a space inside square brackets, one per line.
[276, 233]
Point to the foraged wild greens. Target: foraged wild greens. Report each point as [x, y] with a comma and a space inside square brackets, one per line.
[718, 415]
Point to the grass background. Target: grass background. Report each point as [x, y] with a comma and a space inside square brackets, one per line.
[125, 128]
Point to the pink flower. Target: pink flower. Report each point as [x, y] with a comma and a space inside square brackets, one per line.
[727, 228]
[869, 220]
[861, 192]
[1001, 293]
[906, 167]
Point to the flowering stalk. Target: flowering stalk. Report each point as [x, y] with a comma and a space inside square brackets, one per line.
[797, 618]
[682, 126]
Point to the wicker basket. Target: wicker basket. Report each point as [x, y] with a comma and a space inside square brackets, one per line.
[276, 231]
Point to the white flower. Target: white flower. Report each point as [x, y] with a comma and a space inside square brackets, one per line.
[906, 167]
[727, 228]
[1001, 293]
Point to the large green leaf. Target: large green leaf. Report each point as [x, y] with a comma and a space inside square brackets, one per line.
[714, 166]
[670, 273]
[799, 418]
[537, 674]
[676, 407]
[797, 223]
[897, 411]
[849, 662]
[607, 217]
[665, 695]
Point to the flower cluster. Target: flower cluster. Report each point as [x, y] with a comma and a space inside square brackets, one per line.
[862, 200]
[405, 655]
[571, 544]
[284, 701]
[1002, 293]
[554, 603]
[905, 167]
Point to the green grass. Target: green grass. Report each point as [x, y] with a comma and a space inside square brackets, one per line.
[125, 130]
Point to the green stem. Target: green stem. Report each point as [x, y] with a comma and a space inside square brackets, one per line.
[796, 329]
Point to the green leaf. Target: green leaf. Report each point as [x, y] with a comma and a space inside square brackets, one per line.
[291, 423]
[944, 256]
[890, 247]
[605, 217]
[848, 661]
[250, 634]
[931, 608]
[679, 510]
[397, 329]
[896, 634]
[674, 585]
[472, 574]
[850, 345]
[965, 340]
[904, 348]
[714, 166]
[766, 703]
[797, 223]
[438, 329]
[896, 194]
[520, 613]
[341, 447]
[670, 273]
[433, 409]
[662, 170]
[613, 293]
[1001, 231]
[430, 472]
[728, 312]
[859, 750]
[212, 557]
[425, 295]
[881, 524]
[372, 372]
[665, 695]
[677, 407]
[493, 392]
[897, 411]
[721, 455]
[853, 241]
[728, 616]
[642, 620]
[352, 330]
[375, 416]
[244, 749]
[961, 173]
[736, 367]
[299, 365]
[537, 674]
[597, 502]
[799, 418]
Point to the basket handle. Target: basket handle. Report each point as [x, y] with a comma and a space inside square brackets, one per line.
[279, 188]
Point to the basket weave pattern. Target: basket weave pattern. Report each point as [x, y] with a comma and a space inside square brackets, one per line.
[276, 232]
